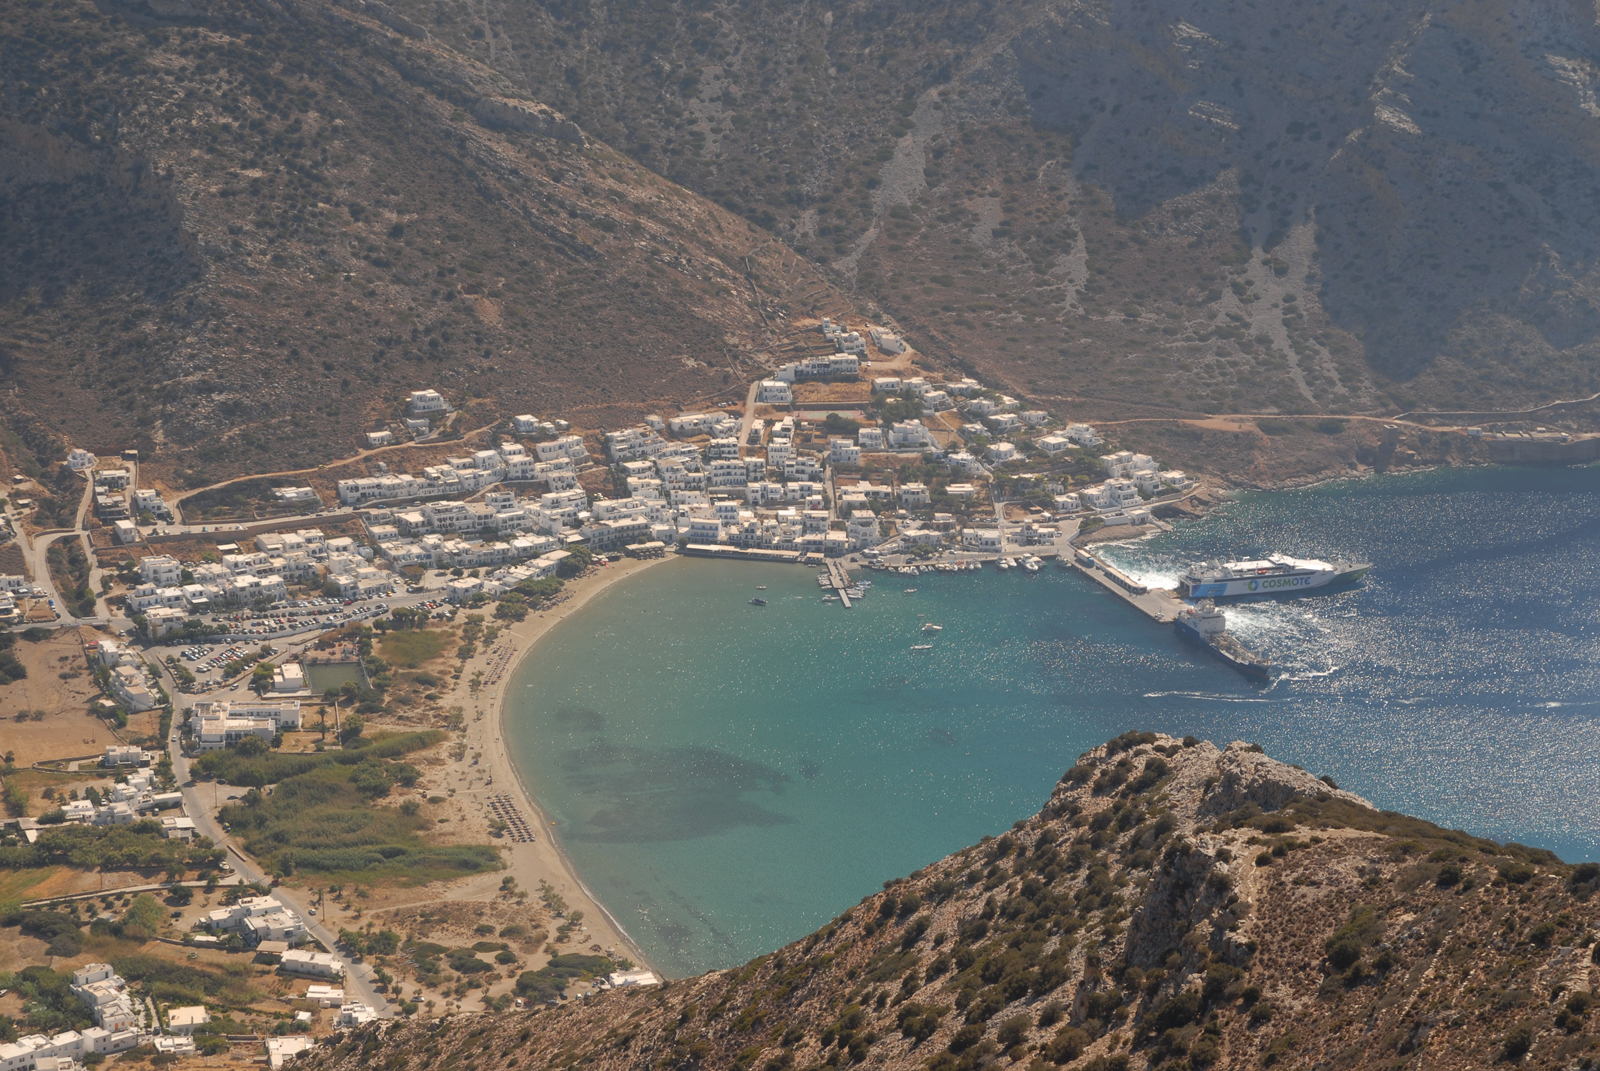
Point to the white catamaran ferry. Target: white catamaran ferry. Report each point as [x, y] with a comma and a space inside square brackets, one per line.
[1277, 574]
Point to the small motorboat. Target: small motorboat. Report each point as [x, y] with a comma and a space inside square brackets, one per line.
[922, 647]
[910, 591]
[930, 627]
[758, 602]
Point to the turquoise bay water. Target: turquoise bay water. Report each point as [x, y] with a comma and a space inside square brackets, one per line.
[727, 777]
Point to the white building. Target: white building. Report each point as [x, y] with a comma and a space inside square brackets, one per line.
[689, 424]
[324, 996]
[862, 529]
[427, 401]
[187, 1020]
[380, 438]
[844, 452]
[289, 677]
[565, 446]
[981, 539]
[217, 724]
[774, 392]
[314, 964]
[1002, 452]
[910, 433]
[886, 385]
[915, 496]
[1052, 444]
[162, 570]
[623, 979]
[885, 341]
[1083, 435]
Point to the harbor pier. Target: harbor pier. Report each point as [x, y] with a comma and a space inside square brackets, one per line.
[1161, 605]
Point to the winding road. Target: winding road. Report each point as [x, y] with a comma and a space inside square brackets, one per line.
[358, 980]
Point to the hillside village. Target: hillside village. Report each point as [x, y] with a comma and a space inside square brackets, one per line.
[848, 453]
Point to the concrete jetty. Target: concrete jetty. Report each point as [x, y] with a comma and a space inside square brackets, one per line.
[840, 580]
[1158, 604]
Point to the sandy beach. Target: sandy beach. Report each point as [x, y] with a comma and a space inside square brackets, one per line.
[542, 860]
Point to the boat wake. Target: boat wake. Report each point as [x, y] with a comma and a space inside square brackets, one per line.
[1207, 696]
[1313, 674]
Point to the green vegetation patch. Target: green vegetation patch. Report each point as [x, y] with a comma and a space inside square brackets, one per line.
[550, 981]
[321, 819]
[187, 983]
[11, 669]
[242, 767]
[48, 1005]
[412, 647]
[141, 844]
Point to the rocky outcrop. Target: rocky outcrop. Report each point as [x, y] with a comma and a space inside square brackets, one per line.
[1175, 906]
[528, 116]
[1244, 775]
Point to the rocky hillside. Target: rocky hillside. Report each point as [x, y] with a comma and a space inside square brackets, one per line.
[1163, 203]
[242, 230]
[1172, 906]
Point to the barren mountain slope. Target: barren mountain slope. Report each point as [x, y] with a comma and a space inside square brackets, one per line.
[1172, 906]
[245, 229]
[1219, 206]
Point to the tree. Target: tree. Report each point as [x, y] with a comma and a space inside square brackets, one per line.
[351, 730]
[251, 747]
[513, 607]
[261, 677]
[143, 917]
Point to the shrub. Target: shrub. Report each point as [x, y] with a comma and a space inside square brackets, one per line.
[1119, 1062]
[1012, 1031]
[1515, 873]
[1449, 874]
[1181, 1010]
[966, 1037]
[1260, 1013]
[917, 1021]
[1518, 1040]
[1067, 1045]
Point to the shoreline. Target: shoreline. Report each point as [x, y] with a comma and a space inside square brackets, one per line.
[545, 859]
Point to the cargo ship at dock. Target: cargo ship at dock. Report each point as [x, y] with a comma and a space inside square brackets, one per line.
[1207, 625]
[1277, 574]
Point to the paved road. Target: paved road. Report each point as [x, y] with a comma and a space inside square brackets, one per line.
[749, 414]
[197, 803]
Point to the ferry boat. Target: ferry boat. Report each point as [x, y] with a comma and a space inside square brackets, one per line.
[1207, 625]
[1277, 574]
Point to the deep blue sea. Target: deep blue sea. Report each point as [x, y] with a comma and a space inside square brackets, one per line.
[728, 777]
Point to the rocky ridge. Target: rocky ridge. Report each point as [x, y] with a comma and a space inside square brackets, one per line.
[1174, 905]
